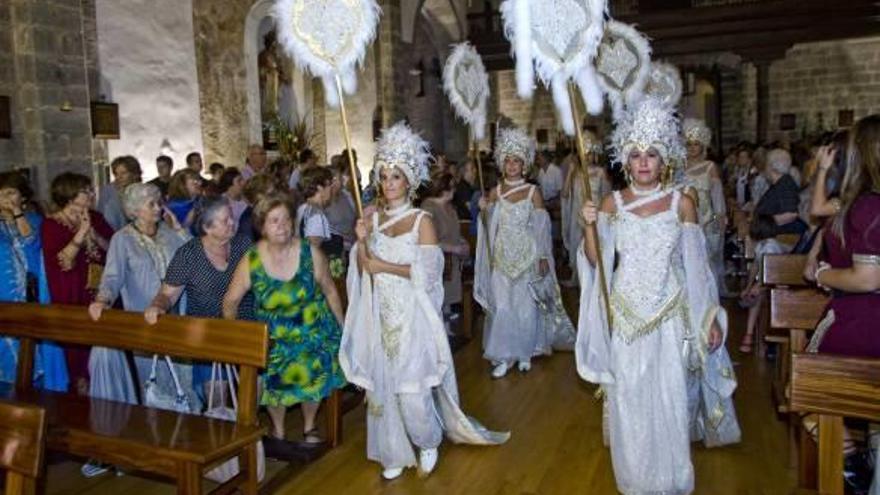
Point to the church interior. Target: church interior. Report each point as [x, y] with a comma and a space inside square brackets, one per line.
[85, 82]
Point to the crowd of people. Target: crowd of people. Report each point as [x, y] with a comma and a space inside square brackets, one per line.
[275, 242]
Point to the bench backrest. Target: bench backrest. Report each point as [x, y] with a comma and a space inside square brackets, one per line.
[22, 439]
[798, 309]
[784, 269]
[242, 343]
[836, 385]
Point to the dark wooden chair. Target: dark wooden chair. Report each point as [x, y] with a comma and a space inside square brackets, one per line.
[833, 387]
[138, 438]
[22, 439]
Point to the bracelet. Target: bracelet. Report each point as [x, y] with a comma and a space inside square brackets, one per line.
[819, 269]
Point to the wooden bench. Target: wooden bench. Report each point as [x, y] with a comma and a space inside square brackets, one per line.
[137, 438]
[22, 438]
[833, 387]
[777, 270]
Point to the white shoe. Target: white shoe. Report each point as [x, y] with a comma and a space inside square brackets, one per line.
[428, 461]
[392, 473]
[525, 366]
[94, 468]
[500, 370]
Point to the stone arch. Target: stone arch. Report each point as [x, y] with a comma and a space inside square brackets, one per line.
[255, 25]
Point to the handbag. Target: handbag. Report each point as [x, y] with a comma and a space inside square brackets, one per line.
[229, 469]
[154, 397]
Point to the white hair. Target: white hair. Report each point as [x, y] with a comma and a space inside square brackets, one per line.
[779, 161]
[136, 195]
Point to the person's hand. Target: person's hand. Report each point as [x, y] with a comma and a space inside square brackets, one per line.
[810, 267]
[96, 309]
[151, 314]
[463, 249]
[589, 212]
[360, 230]
[543, 267]
[825, 157]
[715, 337]
[370, 265]
[483, 203]
[85, 223]
[171, 219]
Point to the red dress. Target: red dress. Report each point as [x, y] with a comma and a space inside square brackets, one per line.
[855, 331]
[71, 286]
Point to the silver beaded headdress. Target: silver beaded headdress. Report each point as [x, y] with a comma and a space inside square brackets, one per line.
[650, 123]
[516, 143]
[400, 147]
[592, 143]
[697, 130]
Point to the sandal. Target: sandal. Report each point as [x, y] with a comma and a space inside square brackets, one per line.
[312, 437]
[745, 346]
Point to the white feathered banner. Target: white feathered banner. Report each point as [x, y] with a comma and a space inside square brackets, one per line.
[623, 64]
[328, 38]
[467, 84]
[664, 82]
[557, 39]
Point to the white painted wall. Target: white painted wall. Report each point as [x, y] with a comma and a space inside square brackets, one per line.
[147, 63]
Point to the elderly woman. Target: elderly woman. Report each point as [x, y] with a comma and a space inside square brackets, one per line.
[202, 269]
[295, 295]
[394, 344]
[75, 241]
[776, 213]
[126, 170]
[23, 279]
[137, 259]
[184, 192]
[438, 202]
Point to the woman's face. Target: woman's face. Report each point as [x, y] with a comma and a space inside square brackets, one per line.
[278, 227]
[193, 187]
[237, 187]
[694, 150]
[513, 167]
[324, 194]
[84, 200]
[470, 172]
[644, 167]
[123, 176]
[394, 183]
[222, 227]
[10, 197]
[150, 212]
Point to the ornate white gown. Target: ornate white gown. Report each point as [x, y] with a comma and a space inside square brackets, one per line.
[663, 302]
[711, 206]
[507, 284]
[394, 345]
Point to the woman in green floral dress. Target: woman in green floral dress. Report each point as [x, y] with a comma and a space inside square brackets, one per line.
[295, 295]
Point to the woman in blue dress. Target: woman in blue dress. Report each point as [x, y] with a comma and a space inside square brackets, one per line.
[23, 279]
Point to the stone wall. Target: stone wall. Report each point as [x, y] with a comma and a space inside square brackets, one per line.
[43, 70]
[815, 81]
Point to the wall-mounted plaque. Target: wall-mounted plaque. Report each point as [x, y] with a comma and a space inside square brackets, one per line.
[845, 118]
[105, 120]
[5, 118]
[787, 122]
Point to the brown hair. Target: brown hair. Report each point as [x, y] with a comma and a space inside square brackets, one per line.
[269, 203]
[258, 186]
[311, 178]
[862, 168]
[131, 164]
[66, 187]
[177, 185]
[440, 183]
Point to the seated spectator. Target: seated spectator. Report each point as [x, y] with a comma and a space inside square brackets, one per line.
[231, 186]
[258, 187]
[126, 170]
[164, 166]
[183, 195]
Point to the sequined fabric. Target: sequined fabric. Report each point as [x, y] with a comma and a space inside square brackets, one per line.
[515, 251]
[394, 293]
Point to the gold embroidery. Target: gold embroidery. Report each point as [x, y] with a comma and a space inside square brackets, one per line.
[632, 326]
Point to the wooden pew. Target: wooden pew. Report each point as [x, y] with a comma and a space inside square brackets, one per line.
[137, 438]
[22, 439]
[777, 270]
[833, 387]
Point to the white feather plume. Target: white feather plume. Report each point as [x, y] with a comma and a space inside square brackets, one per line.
[518, 30]
[327, 38]
[591, 92]
[664, 82]
[474, 83]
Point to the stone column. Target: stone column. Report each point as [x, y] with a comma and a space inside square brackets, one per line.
[763, 92]
[388, 48]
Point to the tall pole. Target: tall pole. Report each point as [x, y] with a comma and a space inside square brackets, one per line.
[477, 162]
[347, 135]
[588, 196]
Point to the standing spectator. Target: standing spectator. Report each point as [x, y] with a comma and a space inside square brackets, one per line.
[341, 211]
[550, 179]
[164, 166]
[75, 241]
[261, 186]
[307, 159]
[126, 170]
[466, 182]
[194, 162]
[22, 279]
[255, 162]
[183, 195]
[311, 222]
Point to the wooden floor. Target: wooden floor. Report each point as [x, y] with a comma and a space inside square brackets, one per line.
[555, 448]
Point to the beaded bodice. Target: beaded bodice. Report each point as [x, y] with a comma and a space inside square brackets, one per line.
[514, 250]
[701, 181]
[647, 284]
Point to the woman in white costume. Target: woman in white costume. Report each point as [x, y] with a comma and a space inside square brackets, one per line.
[703, 175]
[665, 341]
[394, 341]
[514, 278]
[573, 197]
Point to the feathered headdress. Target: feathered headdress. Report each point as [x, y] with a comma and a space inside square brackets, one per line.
[400, 147]
[664, 82]
[328, 38]
[697, 130]
[650, 123]
[467, 84]
[514, 142]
